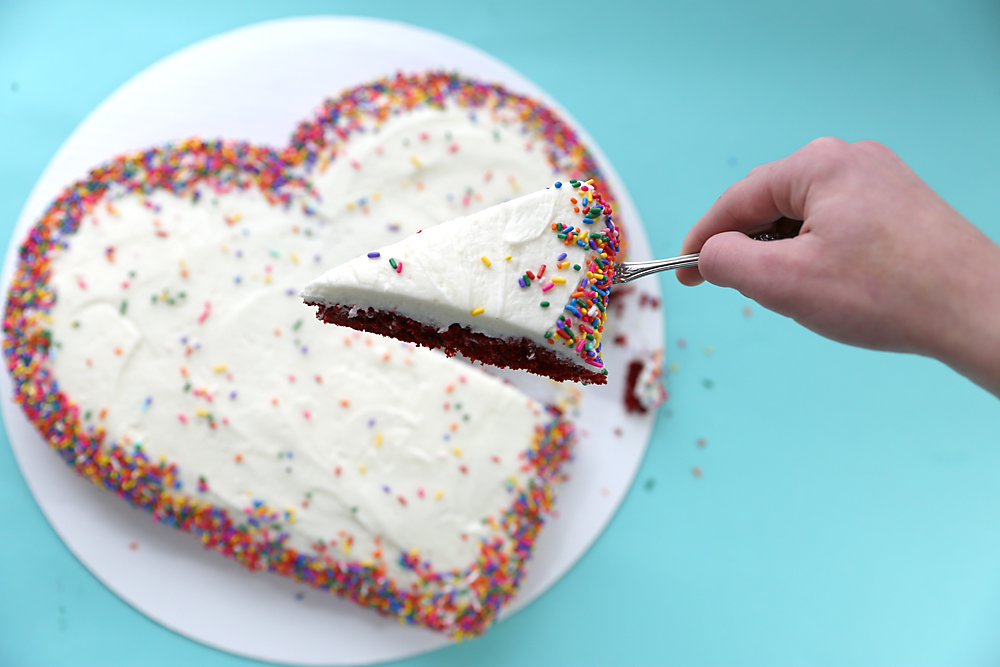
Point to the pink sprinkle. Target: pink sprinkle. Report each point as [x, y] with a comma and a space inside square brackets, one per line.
[81, 282]
[452, 148]
[594, 362]
[548, 287]
[399, 267]
[182, 417]
[355, 164]
[307, 414]
[579, 346]
[205, 313]
[420, 492]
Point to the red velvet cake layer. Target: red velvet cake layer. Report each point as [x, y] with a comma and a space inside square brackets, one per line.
[519, 353]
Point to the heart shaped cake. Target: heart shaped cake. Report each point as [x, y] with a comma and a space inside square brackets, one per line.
[156, 340]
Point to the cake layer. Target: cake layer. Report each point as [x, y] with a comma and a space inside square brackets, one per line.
[534, 269]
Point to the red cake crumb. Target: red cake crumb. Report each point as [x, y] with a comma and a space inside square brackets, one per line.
[632, 403]
[519, 353]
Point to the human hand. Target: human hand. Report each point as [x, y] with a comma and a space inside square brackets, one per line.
[881, 261]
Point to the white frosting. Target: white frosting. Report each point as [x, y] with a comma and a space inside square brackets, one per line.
[444, 278]
[293, 400]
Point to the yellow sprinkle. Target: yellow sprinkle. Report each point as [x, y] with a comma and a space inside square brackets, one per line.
[350, 206]
[225, 248]
[378, 439]
[294, 258]
[457, 451]
[201, 412]
[362, 469]
[267, 278]
[479, 311]
[367, 562]
[438, 494]
[416, 161]
[507, 258]
[559, 280]
[219, 368]
[376, 196]
[486, 260]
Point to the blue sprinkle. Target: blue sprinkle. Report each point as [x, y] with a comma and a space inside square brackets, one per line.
[385, 487]
[374, 253]
[558, 184]
[237, 280]
[593, 245]
[305, 349]
[371, 422]
[561, 257]
[145, 403]
[584, 202]
[317, 258]
[520, 281]
[581, 243]
[290, 291]
[232, 395]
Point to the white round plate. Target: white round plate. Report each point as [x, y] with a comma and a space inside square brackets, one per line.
[257, 83]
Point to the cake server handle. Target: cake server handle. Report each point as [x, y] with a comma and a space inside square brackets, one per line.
[785, 228]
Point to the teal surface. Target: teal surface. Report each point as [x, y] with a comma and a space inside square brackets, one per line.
[848, 512]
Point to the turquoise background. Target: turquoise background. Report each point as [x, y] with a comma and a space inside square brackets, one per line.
[848, 512]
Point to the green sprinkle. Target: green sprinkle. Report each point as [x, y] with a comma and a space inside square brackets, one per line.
[392, 262]
[187, 386]
[272, 252]
[76, 324]
[576, 267]
[298, 323]
[548, 334]
[123, 307]
[544, 304]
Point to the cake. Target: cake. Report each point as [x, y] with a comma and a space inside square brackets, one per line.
[155, 341]
[523, 284]
[644, 390]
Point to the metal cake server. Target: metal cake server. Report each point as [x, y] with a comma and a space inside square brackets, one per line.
[784, 228]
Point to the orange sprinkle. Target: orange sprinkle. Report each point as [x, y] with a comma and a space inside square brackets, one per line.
[345, 403]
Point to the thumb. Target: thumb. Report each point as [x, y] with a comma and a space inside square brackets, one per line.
[769, 272]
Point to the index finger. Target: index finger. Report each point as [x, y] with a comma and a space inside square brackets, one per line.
[769, 192]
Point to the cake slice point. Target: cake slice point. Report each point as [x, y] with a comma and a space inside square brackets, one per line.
[524, 284]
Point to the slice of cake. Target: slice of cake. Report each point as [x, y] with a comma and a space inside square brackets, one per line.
[524, 284]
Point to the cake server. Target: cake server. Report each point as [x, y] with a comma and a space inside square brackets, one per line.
[784, 228]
